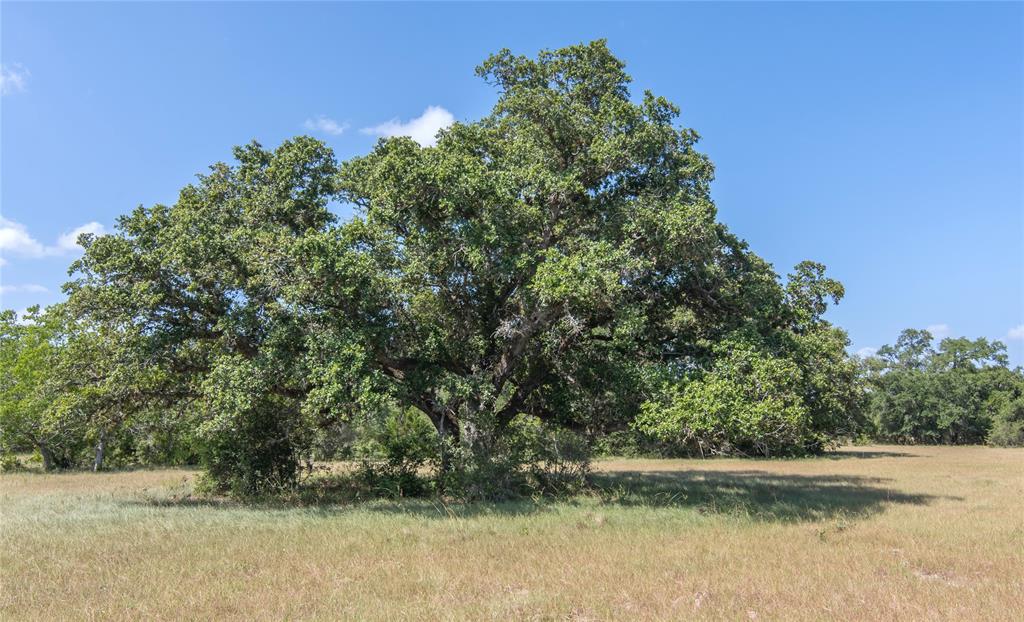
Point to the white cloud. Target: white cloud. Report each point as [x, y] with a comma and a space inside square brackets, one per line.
[866, 352]
[423, 129]
[16, 240]
[69, 241]
[31, 288]
[325, 125]
[1016, 333]
[13, 78]
[939, 331]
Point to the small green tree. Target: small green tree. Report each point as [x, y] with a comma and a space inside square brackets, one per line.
[103, 375]
[1007, 421]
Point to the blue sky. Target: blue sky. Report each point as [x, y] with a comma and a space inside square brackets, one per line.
[884, 140]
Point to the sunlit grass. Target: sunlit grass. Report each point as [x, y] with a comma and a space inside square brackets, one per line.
[871, 533]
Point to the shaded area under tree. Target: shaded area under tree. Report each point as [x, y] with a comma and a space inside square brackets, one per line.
[755, 494]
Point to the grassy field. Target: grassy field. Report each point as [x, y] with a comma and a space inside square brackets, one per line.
[869, 533]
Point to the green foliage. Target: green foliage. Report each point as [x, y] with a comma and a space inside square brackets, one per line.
[9, 462]
[808, 291]
[530, 457]
[559, 461]
[250, 444]
[748, 401]
[960, 393]
[396, 453]
[557, 259]
[401, 457]
[1007, 422]
[486, 276]
[29, 350]
[779, 388]
[831, 387]
[200, 290]
[635, 443]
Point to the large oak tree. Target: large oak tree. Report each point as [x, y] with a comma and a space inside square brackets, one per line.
[558, 258]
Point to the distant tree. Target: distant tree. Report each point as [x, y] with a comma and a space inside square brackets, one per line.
[29, 347]
[963, 354]
[1008, 418]
[913, 350]
[949, 395]
[104, 376]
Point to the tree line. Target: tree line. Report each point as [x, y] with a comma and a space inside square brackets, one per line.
[961, 392]
[544, 281]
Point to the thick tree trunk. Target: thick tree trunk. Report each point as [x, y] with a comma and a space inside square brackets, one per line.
[44, 451]
[101, 447]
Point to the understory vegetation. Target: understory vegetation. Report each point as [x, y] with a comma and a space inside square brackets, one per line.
[542, 284]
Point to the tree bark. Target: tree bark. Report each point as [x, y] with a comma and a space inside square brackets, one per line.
[447, 428]
[47, 455]
[101, 447]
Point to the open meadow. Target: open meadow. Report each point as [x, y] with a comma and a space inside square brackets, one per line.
[879, 532]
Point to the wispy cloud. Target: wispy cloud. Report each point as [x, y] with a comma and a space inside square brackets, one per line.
[866, 352]
[13, 78]
[16, 240]
[1016, 333]
[939, 331]
[423, 129]
[326, 125]
[31, 288]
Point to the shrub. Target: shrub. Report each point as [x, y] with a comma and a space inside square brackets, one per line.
[749, 402]
[530, 457]
[561, 460]
[10, 462]
[251, 439]
[395, 454]
[1008, 424]
[255, 457]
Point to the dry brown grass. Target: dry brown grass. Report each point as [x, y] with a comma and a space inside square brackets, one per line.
[873, 533]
